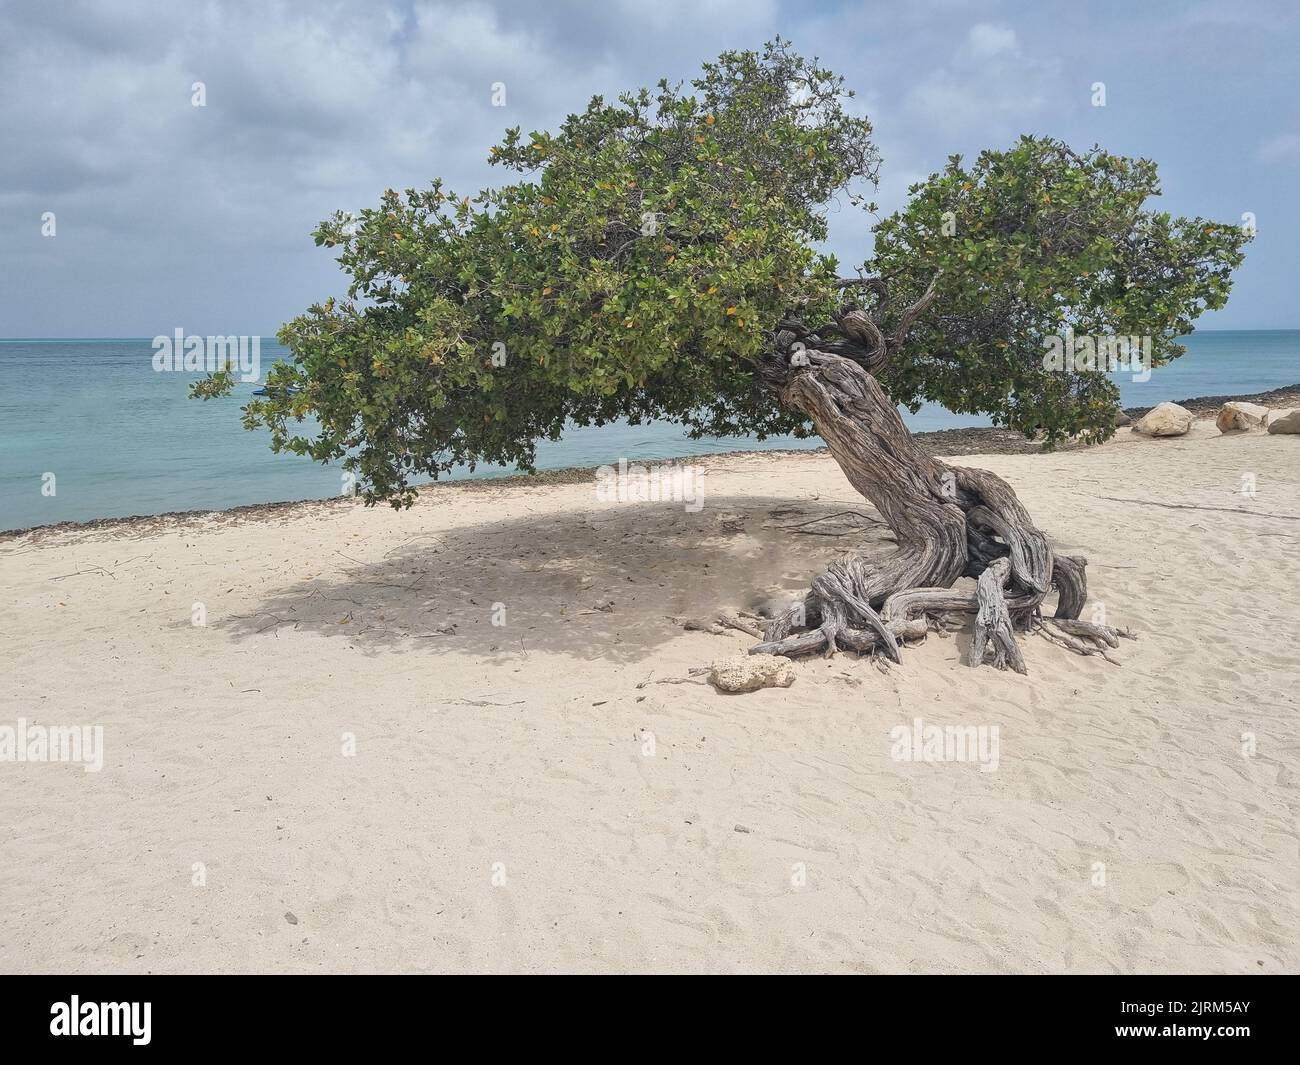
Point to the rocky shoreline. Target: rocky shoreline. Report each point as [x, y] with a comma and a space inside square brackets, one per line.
[1287, 396]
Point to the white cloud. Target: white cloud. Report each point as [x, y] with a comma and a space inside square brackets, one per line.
[188, 215]
[988, 83]
[985, 40]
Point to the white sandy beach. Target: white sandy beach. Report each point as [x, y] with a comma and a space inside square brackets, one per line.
[517, 754]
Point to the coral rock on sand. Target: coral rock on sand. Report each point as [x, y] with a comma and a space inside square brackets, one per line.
[1235, 416]
[1122, 419]
[1288, 423]
[748, 673]
[1167, 419]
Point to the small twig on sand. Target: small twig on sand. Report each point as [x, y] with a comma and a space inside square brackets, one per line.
[731, 622]
[827, 517]
[693, 678]
[719, 625]
[83, 572]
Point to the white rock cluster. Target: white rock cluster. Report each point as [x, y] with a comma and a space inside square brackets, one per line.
[1235, 416]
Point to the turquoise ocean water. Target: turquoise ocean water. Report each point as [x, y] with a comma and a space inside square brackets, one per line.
[122, 439]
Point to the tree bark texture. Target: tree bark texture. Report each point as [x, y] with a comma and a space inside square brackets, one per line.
[950, 522]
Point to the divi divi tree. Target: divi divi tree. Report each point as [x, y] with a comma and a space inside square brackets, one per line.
[657, 257]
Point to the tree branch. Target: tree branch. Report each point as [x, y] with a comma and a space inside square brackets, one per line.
[913, 312]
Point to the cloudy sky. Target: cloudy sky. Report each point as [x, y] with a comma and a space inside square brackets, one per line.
[173, 216]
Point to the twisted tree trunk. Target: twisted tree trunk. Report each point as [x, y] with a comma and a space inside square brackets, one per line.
[950, 522]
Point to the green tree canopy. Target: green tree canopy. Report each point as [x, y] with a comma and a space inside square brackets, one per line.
[647, 253]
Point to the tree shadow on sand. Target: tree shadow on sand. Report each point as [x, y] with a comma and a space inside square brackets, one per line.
[610, 582]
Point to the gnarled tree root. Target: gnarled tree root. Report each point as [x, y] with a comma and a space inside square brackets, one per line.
[994, 635]
[833, 616]
[950, 522]
[1083, 637]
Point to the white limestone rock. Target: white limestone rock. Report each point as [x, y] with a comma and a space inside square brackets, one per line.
[1235, 417]
[749, 673]
[1166, 419]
